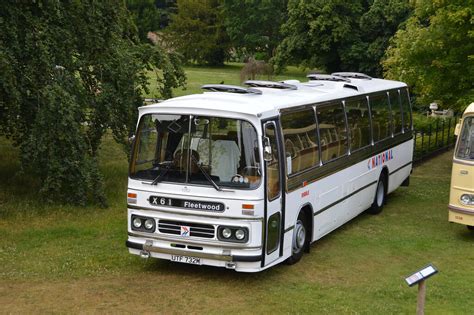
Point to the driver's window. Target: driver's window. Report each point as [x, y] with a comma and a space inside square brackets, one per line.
[273, 166]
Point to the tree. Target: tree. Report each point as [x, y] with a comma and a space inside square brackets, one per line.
[71, 71]
[197, 31]
[254, 25]
[336, 35]
[434, 53]
[151, 15]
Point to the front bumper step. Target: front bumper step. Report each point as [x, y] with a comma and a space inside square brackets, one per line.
[148, 247]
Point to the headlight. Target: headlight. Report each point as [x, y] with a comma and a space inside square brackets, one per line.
[149, 224]
[143, 224]
[467, 199]
[234, 234]
[137, 222]
[227, 233]
[240, 234]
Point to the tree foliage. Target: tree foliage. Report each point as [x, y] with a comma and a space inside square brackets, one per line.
[434, 52]
[70, 71]
[337, 35]
[151, 15]
[254, 25]
[197, 31]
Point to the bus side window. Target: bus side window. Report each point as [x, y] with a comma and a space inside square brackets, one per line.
[396, 112]
[332, 117]
[381, 117]
[405, 101]
[357, 112]
[300, 139]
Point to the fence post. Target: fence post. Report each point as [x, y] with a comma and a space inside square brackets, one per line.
[449, 130]
[442, 134]
[414, 145]
[436, 136]
[422, 144]
[429, 137]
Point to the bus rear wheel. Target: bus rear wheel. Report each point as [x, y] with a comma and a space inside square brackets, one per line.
[300, 239]
[380, 195]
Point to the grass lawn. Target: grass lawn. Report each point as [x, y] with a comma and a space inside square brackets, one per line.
[67, 259]
[70, 259]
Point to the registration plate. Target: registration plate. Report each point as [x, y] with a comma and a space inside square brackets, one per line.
[186, 259]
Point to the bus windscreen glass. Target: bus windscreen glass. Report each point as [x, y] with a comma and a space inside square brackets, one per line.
[465, 149]
[200, 150]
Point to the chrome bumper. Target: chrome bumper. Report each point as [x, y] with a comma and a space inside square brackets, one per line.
[148, 247]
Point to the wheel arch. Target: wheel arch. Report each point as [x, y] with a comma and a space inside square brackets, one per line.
[307, 209]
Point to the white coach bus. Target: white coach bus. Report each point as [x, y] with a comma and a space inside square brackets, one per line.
[248, 177]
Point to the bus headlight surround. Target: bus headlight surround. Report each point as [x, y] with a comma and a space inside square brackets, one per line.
[467, 199]
[234, 234]
[143, 224]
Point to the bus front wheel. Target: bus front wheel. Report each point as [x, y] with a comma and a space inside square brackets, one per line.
[300, 239]
[379, 198]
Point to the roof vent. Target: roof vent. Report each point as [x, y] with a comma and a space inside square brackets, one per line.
[326, 77]
[230, 89]
[352, 75]
[271, 85]
[350, 86]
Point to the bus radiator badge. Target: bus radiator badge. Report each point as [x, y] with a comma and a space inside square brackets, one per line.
[185, 231]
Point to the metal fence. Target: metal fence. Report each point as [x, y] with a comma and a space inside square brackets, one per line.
[435, 138]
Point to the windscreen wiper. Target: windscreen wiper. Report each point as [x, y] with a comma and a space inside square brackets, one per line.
[167, 167]
[206, 174]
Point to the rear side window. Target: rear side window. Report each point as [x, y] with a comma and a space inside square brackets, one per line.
[396, 111]
[357, 111]
[300, 140]
[332, 131]
[381, 117]
[405, 101]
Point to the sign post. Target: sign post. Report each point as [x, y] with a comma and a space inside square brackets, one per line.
[419, 278]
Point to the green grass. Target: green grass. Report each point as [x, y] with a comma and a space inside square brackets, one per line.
[67, 259]
[357, 269]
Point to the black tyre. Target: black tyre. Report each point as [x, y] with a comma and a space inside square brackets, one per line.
[380, 195]
[300, 239]
[470, 227]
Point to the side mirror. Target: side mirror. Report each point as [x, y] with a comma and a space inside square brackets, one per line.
[457, 130]
[131, 139]
[267, 150]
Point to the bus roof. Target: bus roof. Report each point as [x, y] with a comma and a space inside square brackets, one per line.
[469, 109]
[272, 100]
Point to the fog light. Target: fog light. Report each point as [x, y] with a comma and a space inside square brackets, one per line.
[226, 233]
[149, 224]
[240, 234]
[137, 222]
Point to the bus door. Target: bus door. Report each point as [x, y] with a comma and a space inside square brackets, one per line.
[274, 214]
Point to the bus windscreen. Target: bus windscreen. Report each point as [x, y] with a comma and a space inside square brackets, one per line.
[199, 150]
[465, 148]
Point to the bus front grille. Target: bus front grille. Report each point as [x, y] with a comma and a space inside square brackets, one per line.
[195, 229]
